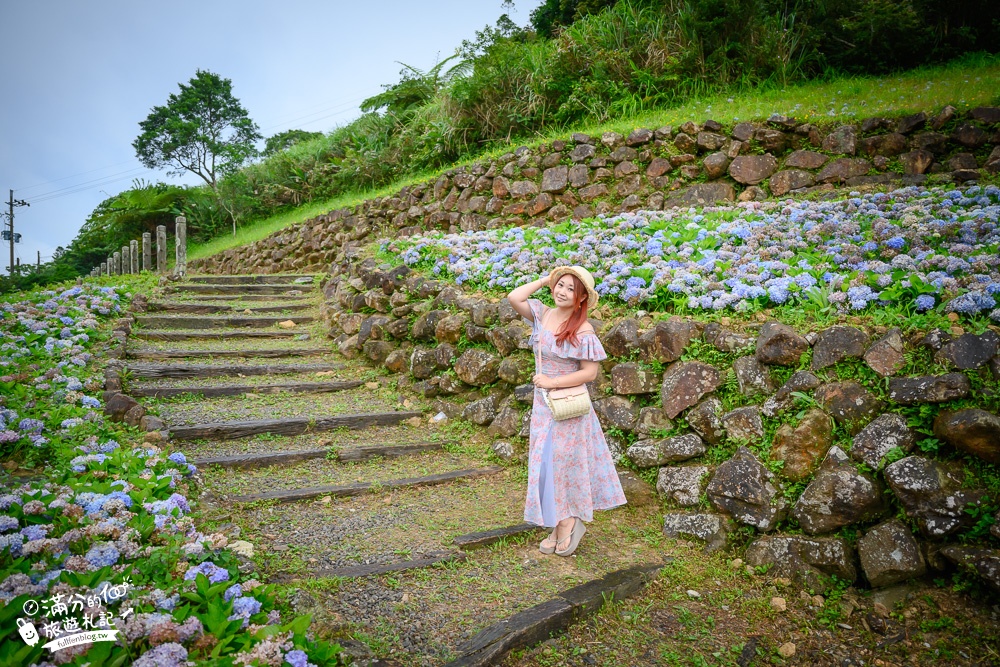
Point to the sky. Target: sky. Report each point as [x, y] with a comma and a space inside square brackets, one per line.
[78, 77]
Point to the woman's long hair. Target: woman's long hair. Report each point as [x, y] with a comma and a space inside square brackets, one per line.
[580, 295]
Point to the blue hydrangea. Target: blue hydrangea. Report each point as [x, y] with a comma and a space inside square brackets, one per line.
[178, 457]
[13, 541]
[31, 426]
[8, 523]
[102, 554]
[214, 573]
[924, 302]
[896, 242]
[35, 532]
[297, 658]
[246, 605]
[232, 592]
[90, 402]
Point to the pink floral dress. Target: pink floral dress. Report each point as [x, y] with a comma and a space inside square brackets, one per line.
[570, 469]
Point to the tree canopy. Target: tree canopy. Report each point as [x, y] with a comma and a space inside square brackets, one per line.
[202, 129]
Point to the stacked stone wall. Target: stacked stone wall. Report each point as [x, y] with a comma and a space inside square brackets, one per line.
[693, 164]
[816, 441]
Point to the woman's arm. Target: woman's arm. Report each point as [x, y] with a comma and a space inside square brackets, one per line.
[587, 373]
[519, 297]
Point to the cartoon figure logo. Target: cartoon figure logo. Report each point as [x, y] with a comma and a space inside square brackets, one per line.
[27, 631]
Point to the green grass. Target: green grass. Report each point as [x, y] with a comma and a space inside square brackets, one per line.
[964, 84]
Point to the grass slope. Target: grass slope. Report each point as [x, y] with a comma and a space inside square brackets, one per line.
[963, 84]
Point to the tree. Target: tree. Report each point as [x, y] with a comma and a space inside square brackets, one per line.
[203, 130]
[416, 87]
[285, 140]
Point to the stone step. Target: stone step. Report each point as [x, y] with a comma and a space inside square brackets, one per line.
[539, 623]
[200, 354]
[224, 298]
[155, 371]
[358, 571]
[288, 290]
[152, 334]
[485, 538]
[209, 308]
[191, 322]
[251, 280]
[352, 454]
[213, 391]
[288, 426]
[347, 490]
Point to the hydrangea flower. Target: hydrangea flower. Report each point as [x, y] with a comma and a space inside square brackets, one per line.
[214, 573]
[924, 302]
[102, 554]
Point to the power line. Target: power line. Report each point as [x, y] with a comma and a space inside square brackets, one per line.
[82, 173]
[134, 171]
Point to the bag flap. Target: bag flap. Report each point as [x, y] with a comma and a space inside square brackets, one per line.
[568, 392]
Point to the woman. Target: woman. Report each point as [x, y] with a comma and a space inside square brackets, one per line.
[570, 470]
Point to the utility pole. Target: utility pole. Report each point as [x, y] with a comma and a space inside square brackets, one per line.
[11, 203]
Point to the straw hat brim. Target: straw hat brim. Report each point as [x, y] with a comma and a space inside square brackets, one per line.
[578, 272]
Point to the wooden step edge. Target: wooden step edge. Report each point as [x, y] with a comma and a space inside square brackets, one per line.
[539, 623]
[357, 571]
[292, 495]
[209, 322]
[157, 371]
[214, 392]
[364, 453]
[288, 426]
[243, 354]
[485, 538]
[253, 279]
[160, 334]
[166, 307]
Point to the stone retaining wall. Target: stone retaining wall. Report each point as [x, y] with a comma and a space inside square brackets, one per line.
[648, 169]
[815, 449]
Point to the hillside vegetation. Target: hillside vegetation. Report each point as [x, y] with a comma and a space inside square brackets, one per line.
[586, 63]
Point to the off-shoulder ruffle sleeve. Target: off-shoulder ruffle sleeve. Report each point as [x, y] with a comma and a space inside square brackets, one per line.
[589, 349]
[537, 310]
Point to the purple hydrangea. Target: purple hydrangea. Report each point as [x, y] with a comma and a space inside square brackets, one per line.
[8, 523]
[233, 591]
[34, 426]
[35, 532]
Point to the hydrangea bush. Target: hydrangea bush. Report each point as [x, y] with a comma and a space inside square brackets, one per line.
[111, 513]
[916, 248]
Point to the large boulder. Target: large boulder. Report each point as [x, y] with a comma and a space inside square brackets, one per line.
[849, 403]
[784, 398]
[838, 496]
[890, 554]
[622, 339]
[928, 388]
[651, 419]
[785, 181]
[802, 447]
[985, 563]
[709, 528]
[779, 344]
[752, 169]
[706, 419]
[657, 452]
[616, 412]
[972, 431]
[836, 344]
[969, 351]
[933, 493]
[477, 367]
[809, 562]
[842, 140]
[682, 484]
[425, 325]
[885, 356]
[887, 432]
[684, 383]
[743, 488]
[666, 341]
[744, 424]
[118, 405]
[630, 379]
[753, 377]
[481, 412]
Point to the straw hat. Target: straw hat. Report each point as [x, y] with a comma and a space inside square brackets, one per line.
[584, 276]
